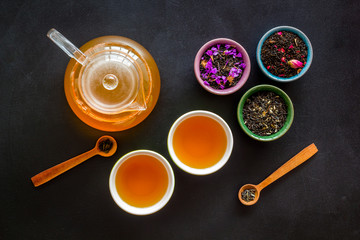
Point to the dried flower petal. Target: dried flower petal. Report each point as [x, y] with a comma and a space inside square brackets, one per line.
[213, 70]
[215, 51]
[204, 75]
[295, 63]
[239, 55]
[235, 72]
[279, 33]
[230, 52]
[209, 64]
[209, 52]
[291, 46]
[283, 59]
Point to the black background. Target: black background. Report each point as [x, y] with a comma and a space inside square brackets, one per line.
[318, 200]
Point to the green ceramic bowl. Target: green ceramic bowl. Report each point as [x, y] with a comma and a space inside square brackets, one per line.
[289, 118]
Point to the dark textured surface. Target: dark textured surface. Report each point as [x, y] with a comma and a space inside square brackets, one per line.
[318, 200]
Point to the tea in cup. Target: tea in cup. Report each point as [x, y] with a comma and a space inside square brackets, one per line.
[200, 142]
[141, 182]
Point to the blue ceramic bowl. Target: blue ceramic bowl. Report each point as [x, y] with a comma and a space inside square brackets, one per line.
[308, 60]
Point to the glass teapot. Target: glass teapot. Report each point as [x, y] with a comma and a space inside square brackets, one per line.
[112, 83]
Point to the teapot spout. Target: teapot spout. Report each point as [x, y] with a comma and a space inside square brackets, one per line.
[139, 103]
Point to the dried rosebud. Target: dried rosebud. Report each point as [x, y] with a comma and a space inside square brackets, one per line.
[283, 59]
[282, 50]
[295, 63]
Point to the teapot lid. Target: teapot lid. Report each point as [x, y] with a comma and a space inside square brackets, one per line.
[110, 80]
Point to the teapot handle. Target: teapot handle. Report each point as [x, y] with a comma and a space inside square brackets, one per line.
[69, 48]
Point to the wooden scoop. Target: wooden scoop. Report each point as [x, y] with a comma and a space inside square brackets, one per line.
[298, 159]
[105, 146]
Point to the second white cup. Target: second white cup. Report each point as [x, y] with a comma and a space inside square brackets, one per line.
[200, 142]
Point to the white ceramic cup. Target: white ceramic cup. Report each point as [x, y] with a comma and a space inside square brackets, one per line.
[138, 210]
[220, 163]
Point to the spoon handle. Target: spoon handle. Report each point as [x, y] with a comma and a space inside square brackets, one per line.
[55, 171]
[295, 161]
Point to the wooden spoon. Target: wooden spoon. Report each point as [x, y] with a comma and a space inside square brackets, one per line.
[103, 147]
[298, 159]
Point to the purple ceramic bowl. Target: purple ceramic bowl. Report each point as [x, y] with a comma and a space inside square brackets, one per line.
[244, 76]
